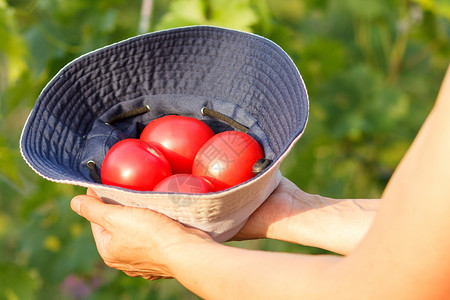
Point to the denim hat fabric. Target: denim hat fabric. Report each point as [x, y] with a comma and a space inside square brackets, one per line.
[179, 71]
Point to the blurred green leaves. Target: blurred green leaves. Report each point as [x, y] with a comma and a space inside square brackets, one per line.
[438, 7]
[12, 47]
[17, 282]
[372, 69]
[236, 14]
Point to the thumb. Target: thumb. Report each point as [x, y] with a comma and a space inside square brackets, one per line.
[92, 208]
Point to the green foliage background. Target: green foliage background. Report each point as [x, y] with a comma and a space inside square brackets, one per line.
[372, 69]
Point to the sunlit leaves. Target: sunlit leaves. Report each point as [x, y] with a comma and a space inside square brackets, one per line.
[183, 13]
[12, 47]
[439, 7]
[236, 14]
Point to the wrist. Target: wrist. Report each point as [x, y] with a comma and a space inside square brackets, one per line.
[336, 225]
[177, 253]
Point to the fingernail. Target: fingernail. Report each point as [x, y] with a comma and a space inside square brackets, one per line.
[75, 204]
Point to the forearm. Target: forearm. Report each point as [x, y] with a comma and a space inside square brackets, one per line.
[215, 271]
[334, 225]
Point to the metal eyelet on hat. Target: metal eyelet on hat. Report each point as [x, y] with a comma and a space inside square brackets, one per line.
[261, 165]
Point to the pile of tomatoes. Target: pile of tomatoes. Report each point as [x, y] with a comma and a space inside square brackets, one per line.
[181, 154]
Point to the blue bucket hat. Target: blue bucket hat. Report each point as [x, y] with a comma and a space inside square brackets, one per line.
[111, 93]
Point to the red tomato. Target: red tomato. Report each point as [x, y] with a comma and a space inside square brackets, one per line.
[184, 183]
[227, 159]
[179, 138]
[134, 164]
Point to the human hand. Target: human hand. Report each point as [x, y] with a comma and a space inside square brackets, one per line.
[134, 240]
[292, 215]
[277, 207]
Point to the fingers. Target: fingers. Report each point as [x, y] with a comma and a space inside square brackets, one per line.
[93, 209]
[149, 276]
[102, 239]
[99, 233]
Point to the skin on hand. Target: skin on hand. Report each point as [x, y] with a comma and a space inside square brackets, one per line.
[291, 215]
[277, 207]
[134, 240]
